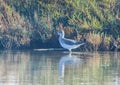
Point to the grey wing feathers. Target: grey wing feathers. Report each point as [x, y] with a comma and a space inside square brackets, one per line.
[70, 42]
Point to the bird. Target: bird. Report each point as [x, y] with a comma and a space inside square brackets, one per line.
[68, 44]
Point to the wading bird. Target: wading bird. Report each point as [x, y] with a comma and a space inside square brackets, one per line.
[68, 43]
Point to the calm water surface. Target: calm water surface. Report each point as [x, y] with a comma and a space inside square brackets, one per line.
[59, 68]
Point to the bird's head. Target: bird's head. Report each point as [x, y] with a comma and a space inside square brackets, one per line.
[61, 33]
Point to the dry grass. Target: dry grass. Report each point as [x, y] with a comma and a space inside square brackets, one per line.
[94, 39]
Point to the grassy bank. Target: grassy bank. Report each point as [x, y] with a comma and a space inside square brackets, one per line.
[33, 24]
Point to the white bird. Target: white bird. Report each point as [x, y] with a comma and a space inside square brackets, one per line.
[68, 43]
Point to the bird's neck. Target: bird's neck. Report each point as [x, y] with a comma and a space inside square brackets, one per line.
[63, 35]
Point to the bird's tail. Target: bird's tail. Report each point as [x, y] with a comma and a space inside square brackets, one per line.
[82, 42]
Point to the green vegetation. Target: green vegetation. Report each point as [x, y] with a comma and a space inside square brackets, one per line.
[33, 23]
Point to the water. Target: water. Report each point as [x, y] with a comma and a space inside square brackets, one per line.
[59, 68]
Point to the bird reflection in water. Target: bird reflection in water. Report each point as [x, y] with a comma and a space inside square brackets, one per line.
[66, 60]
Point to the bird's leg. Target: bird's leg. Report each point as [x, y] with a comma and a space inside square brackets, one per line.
[70, 54]
[70, 50]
